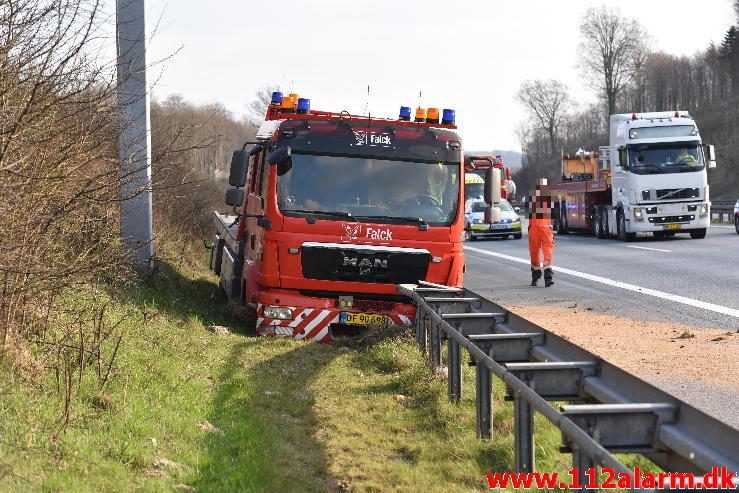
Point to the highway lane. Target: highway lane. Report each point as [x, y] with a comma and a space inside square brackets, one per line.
[701, 270]
[704, 270]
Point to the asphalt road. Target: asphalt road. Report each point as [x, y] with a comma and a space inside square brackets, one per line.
[694, 283]
[704, 272]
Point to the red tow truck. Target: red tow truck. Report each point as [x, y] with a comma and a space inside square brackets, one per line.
[477, 164]
[332, 211]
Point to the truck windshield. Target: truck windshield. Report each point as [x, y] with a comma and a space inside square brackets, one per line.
[678, 157]
[370, 187]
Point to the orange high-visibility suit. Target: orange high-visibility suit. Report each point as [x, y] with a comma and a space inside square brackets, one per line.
[541, 242]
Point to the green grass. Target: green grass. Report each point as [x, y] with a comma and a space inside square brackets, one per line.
[364, 415]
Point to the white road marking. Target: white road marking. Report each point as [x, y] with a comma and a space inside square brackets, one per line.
[725, 310]
[647, 248]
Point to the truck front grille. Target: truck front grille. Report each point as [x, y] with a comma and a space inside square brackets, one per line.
[364, 263]
[677, 193]
[671, 219]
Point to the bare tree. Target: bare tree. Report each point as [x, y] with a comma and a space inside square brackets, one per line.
[547, 101]
[258, 107]
[612, 52]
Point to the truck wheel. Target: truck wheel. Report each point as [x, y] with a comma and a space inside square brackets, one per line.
[518, 236]
[604, 223]
[562, 229]
[597, 224]
[698, 234]
[622, 234]
[467, 235]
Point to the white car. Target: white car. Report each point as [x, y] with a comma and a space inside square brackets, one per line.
[475, 226]
[736, 217]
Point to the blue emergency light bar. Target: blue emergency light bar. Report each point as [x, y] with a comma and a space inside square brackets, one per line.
[303, 105]
[277, 98]
[447, 117]
[405, 113]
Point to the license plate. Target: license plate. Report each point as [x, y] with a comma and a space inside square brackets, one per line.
[673, 226]
[349, 318]
[498, 226]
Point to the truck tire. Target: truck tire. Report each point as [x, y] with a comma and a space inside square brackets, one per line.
[562, 227]
[518, 236]
[605, 225]
[698, 234]
[622, 234]
[597, 222]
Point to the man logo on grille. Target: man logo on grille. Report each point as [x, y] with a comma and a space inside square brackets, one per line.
[365, 265]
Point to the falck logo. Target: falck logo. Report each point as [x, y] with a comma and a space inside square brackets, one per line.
[372, 139]
[360, 138]
[352, 231]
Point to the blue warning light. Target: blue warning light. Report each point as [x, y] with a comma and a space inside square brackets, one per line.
[447, 117]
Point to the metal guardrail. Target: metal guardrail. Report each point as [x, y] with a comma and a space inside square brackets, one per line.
[615, 412]
[722, 207]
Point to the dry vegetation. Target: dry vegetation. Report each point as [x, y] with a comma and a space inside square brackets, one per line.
[61, 264]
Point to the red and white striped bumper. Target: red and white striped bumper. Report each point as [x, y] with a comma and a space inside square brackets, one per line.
[311, 323]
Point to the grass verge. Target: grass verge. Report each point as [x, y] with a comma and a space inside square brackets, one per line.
[186, 409]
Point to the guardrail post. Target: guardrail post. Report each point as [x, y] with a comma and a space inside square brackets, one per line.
[435, 346]
[484, 398]
[421, 321]
[455, 370]
[524, 434]
[581, 462]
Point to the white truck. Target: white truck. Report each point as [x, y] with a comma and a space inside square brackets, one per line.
[651, 178]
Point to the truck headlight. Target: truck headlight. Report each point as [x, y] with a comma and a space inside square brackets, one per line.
[517, 220]
[638, 214]
[704, 209]
[278, 312]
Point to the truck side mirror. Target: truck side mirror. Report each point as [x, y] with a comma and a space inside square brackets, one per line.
[235, 197]
[492, 186]
[263, 222]
[282, 158]
[711, 154]
[622, 158]
[237, 174]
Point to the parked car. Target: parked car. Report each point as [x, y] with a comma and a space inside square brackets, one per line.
[476, 227]
[736, 217]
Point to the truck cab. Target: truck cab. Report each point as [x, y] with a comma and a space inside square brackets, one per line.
[332, 212]
[658, 171]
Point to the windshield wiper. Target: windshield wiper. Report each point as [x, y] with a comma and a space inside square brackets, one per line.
[422, 225]
[345, 215]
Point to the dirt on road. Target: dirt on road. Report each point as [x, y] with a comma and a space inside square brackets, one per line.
[646, 348]
[693, 364]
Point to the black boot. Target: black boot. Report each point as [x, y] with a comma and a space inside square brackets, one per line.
[535, 276]
[548, 277]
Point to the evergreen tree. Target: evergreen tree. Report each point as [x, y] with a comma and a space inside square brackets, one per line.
[728, 45]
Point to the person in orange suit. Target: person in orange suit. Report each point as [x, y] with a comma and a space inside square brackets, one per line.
[541, 235]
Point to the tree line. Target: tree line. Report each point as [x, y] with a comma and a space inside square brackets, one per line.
[626, 76]
[61, 259]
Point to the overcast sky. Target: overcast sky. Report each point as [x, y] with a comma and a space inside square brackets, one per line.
[467, 55]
